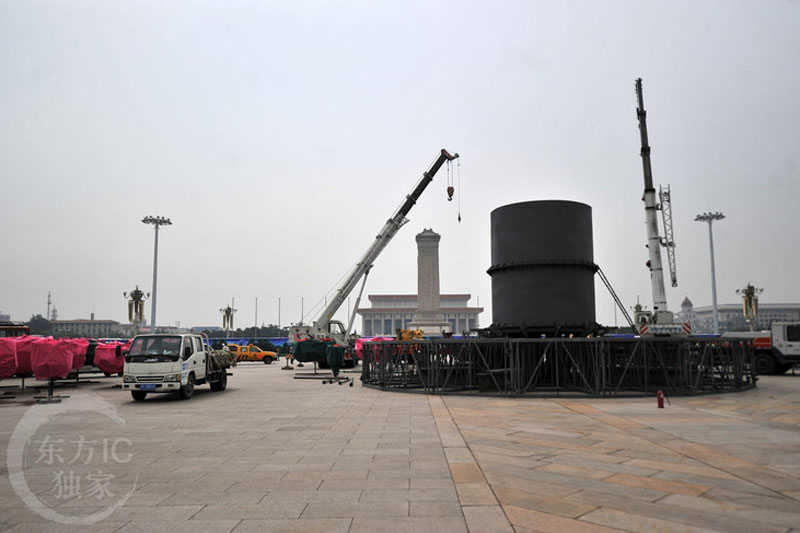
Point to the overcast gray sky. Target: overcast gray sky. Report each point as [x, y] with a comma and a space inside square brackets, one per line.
[279, 137]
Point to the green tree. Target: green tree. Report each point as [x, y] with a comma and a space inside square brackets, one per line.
[40, 325]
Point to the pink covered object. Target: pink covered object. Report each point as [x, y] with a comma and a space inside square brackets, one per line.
[105, 358]
[24, 347]
[79, 347]
[51, 358]
[8, 357]
[360, 343]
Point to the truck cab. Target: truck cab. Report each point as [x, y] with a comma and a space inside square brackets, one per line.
[171, 363]
[776, 350]
[786, 344]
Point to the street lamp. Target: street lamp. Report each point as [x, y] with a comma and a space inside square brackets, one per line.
[156, 221]
[710, 218]
[750, 303]
[227, 318]
[135, 299]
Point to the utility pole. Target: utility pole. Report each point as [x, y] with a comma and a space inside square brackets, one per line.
[156, 221]
[710, 218]
[49, 301]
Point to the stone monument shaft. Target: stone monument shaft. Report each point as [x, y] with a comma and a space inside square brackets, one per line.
[429, 317]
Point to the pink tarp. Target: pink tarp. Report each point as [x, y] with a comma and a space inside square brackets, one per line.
[360, 342]
[8, 357]
[105, 358]
[79, 347]
[24, 347]
[51, 358]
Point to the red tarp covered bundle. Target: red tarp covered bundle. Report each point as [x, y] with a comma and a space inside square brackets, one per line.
[360, 343]
[105, 358]
[8, 357]
[24, 346]
[79, 347]
[51, 358]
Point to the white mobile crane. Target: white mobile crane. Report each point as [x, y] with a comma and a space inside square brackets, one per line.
[659, 321]
[325, 327]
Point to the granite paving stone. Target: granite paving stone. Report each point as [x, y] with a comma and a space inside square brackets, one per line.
[635, 522]
[251, 512]
[358, 459]
[435, 508]
[412, 524]
[300, 525]
[205, 526]
[487, 519]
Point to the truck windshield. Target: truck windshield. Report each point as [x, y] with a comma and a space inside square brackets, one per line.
[156, 345]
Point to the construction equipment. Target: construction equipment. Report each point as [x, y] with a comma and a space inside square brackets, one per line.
[659, 321]
[777, 350]
[410, 334]
[325, 327]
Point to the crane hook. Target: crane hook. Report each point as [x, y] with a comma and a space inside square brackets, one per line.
[450, 191]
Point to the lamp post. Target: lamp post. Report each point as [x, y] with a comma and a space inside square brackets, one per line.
[135, 299]
[227, 318]
[750, 303]
[710, 218]
[156, 221]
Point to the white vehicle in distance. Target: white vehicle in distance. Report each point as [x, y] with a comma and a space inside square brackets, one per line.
[174, 363]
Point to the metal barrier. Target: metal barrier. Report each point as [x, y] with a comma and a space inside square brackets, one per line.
[551, 367]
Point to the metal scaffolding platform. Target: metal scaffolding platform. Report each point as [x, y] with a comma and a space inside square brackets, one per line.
[596, 367]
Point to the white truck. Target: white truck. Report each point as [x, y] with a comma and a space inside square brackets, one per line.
[776, 350]
[174, 363]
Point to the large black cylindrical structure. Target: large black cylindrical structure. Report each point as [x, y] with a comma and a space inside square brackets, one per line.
[542, 268]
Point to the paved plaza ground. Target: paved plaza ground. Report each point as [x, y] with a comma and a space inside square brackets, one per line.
[274, 453]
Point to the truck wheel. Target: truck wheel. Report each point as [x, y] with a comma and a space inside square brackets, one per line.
[187, 390]
[138, 395]
[267, 360]
[765, 364]
[222, 382]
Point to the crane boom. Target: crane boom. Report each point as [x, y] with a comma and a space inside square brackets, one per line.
[669, 240]
[660, 312]
[322, 325]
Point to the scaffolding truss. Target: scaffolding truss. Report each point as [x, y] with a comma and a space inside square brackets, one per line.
[597, 367]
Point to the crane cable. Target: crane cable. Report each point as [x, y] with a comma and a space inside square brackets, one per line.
[450, 189]
[459, 190]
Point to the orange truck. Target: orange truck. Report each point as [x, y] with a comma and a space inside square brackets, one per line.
[252, 353]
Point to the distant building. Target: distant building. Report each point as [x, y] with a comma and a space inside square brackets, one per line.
[200, 329]
[5, 318]
[390, 312]
[731, 316]
[88, 328]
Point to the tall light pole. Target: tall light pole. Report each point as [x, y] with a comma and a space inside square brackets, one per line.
[710, 218]
[156, 221]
